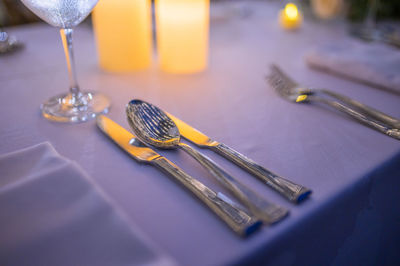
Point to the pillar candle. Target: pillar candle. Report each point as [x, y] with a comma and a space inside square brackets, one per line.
[123, 32]
[182, 35]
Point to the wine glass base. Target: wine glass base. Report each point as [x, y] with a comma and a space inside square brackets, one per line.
[68, 109]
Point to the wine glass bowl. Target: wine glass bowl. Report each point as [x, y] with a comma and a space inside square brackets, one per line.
[61, 13]
[74, 106]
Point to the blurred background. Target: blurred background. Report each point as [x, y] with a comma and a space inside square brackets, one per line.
[13, 12]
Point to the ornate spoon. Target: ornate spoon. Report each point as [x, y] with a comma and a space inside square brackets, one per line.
[152, 126]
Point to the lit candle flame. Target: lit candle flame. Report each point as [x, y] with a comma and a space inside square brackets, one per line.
[290, 18]
[291, 11]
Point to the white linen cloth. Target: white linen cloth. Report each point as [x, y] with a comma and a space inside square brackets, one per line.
[51, 213]
[374, 64]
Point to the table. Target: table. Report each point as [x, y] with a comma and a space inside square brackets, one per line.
[353, 215]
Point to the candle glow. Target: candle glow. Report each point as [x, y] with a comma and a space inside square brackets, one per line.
[123, 33]
[290, 17]
[182, 35]
[291, 11]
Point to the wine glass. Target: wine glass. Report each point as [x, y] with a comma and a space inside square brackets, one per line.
[74, 106]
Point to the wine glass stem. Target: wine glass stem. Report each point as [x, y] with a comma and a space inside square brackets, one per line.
[66, 36]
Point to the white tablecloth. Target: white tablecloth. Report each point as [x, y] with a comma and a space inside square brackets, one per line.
[231, 102]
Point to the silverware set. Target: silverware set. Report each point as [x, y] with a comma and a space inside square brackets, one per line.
[156, 128]
[293, 92]
[239, 220]
[152, 126]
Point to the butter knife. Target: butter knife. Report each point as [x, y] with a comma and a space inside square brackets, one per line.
[290, 190]
[236, 218]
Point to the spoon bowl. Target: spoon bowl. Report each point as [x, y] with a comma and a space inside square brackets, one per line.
[152, 125]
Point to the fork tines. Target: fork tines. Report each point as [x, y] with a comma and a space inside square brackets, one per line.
[280, 81]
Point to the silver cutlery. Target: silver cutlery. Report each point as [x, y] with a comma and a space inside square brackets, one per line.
[236, 218]
[154, 127]
[291, 91]
[290, 190]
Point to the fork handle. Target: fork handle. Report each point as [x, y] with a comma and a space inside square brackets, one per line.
[363, 119]
[373, 113]
[237, 219]
[286, 188]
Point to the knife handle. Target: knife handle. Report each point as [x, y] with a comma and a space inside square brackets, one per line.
[237, 219]
[286, 188]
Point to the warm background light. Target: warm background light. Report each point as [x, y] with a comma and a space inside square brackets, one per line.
[290, 17]
[291, 11]
[182, 35]
[123, 32]
[328, 9]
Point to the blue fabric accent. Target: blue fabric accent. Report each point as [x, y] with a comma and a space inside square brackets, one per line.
[359, 227]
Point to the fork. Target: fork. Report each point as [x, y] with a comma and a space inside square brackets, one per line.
[292, 91]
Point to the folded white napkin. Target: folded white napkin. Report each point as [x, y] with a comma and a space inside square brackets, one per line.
[51, 213]
[374, 64]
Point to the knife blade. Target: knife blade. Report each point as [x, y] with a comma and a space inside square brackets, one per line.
[290, 190]
[126, 140]
[238, 219]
